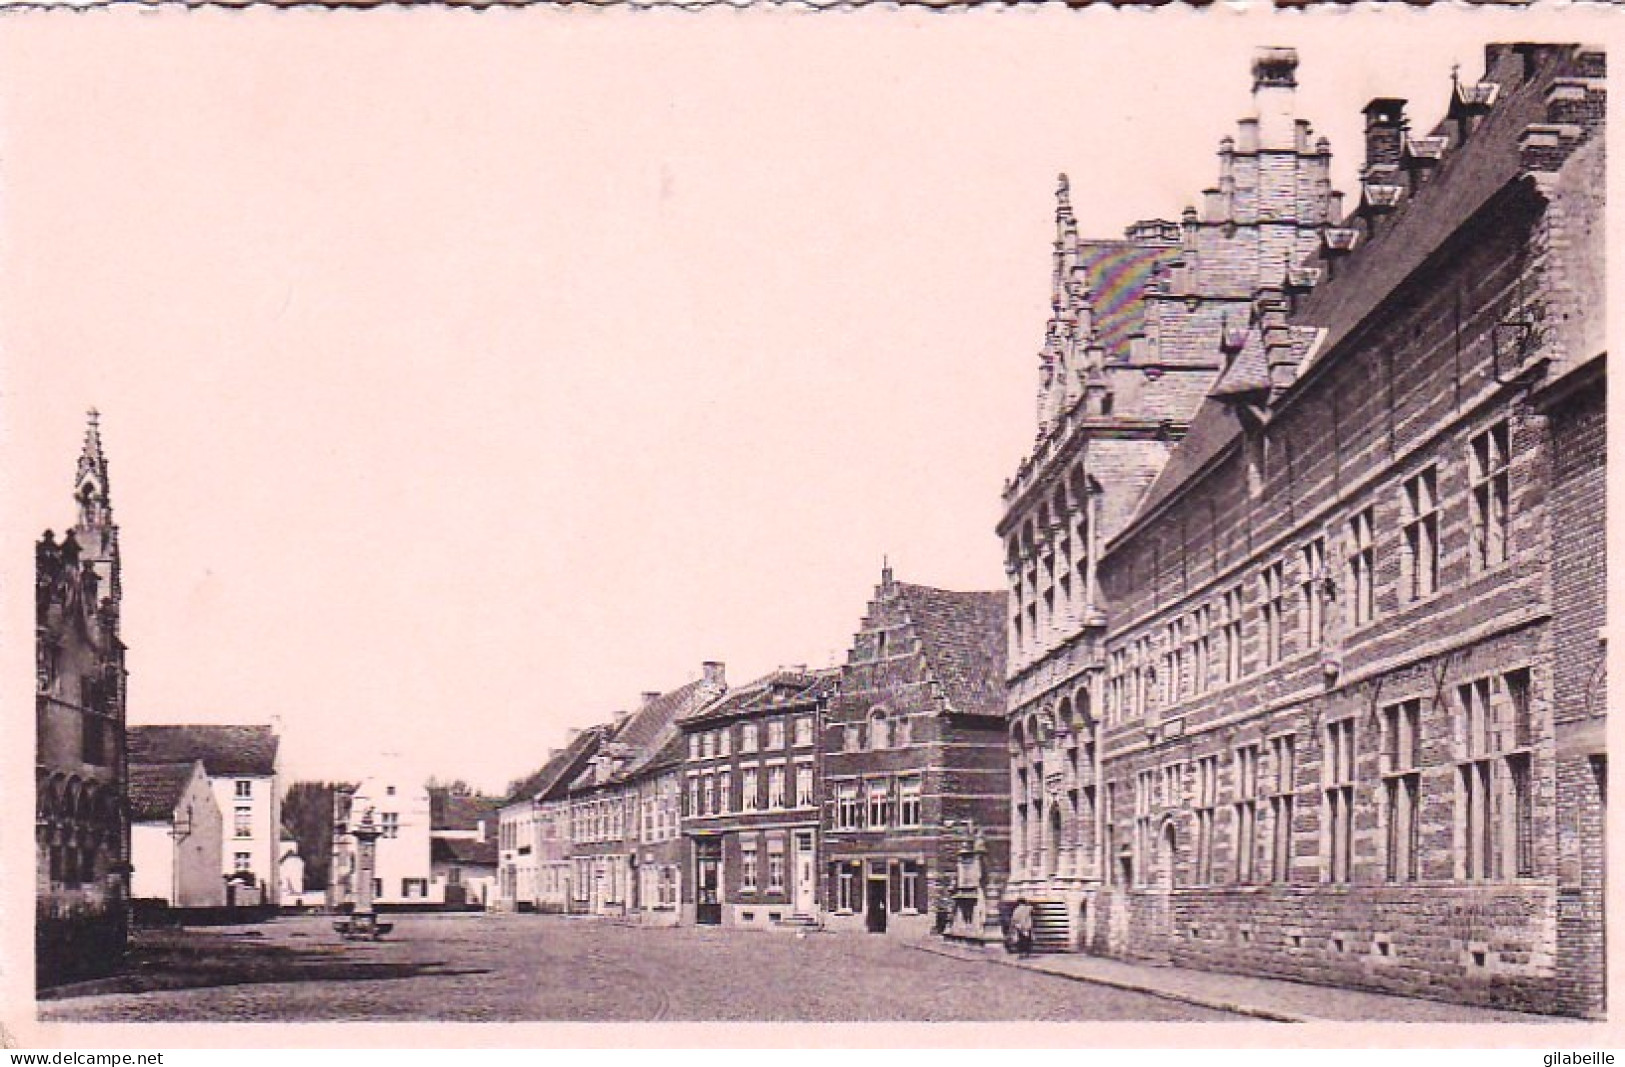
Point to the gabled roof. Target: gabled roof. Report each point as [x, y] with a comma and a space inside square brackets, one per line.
[559, 770]
[670, 755]
[461, 811]
[226, 751]
[155, 789]
[1247, 374]
[642, 736]
[963, 638]
[463, 850]
[653, 726]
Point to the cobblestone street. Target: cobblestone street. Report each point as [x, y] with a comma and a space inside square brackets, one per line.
[536, 968]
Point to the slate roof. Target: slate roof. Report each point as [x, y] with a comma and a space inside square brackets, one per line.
[963, 639]
[449, 811]
[226, 751]
[1213, 429]
[463, 850]
[670, 755]
[642, 737]
[1470, 175]
[559, 770]
[155, 789]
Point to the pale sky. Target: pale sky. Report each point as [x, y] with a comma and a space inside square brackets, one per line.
[464, 375]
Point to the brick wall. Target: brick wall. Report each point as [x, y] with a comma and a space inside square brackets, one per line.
[1579, 584]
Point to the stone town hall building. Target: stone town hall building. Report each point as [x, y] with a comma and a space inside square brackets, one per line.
[1306, 654]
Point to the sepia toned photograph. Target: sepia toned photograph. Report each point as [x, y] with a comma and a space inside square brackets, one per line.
[556, 515]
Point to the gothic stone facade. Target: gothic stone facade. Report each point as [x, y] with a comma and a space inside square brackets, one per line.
[1131, 350]
[1351, 674]
[82, 823]
[915, 764]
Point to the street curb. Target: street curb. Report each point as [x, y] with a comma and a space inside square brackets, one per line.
[1266, 1014]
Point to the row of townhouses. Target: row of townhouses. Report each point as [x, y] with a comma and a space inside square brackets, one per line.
[1300, 671]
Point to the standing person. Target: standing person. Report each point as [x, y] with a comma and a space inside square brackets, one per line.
[1021, 927]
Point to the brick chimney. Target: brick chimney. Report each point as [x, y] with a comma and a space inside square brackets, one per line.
[649, 697]
[714, 673]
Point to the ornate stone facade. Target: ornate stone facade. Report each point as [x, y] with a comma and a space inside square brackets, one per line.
[1135, 341]
[1341, 734]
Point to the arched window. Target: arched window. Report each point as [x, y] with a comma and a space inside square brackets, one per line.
[879, 729]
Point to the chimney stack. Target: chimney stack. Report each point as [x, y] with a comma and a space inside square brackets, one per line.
[1275, 82]
[714, 673]
[650, 696]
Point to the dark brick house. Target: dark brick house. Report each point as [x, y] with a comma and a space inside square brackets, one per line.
[752, 801]
[82, 824]
[915, 765]
[1349, 677]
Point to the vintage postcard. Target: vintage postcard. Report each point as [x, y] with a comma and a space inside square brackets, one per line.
[1075, 521]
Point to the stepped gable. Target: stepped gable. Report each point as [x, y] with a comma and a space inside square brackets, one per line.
[962, 637]
[1135, 323]
[226, 751]
[155, 789]
[1473, 154]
